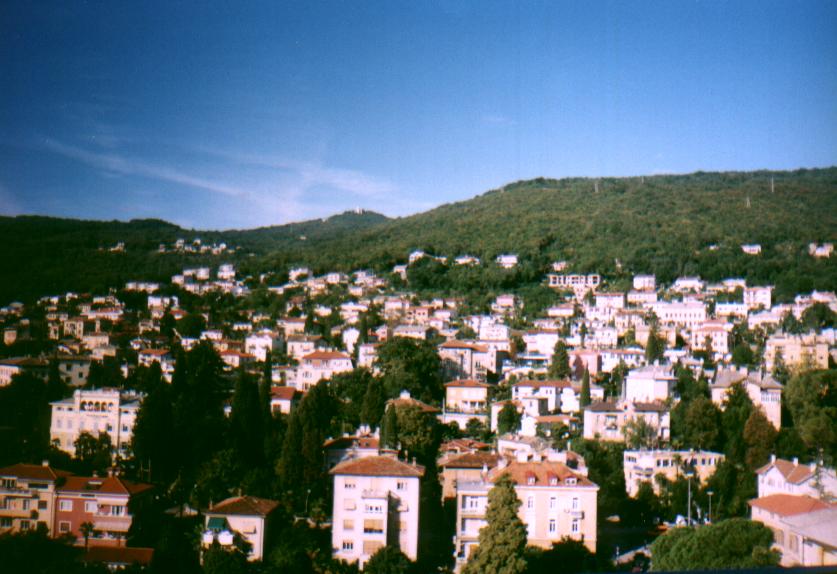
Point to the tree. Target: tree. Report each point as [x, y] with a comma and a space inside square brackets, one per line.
[560, 366]
[639, 433]
[812, 401]
[374, 403]
[476, 429]
[417, 433]
[247, 421]
[412, 365]
[655, 346]
[508, 419]
[742, 355]
[93, 453]
[567, 556]
[502, 541]
[388, 560]
[389, 429]
[701, 425]
[87, 530]
[817, 317]
[585, 389]
[151, 440]
[737, 409]
[735, 543]
[759, 436]
[220, 560]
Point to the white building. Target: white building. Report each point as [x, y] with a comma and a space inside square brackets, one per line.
[321, 365]
[649, 383]
[96, 411]
[376, 504]
[261, 343]
[645, 282]
[245, 516]
[644, 466]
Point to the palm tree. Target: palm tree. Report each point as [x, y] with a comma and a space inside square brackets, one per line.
[87, 529]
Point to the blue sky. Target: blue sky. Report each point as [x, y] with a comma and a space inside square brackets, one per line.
[222, 115]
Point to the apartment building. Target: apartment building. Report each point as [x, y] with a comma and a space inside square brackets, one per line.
[320, 365]
[781, 476]
[645, 465]
[796, 350]
[104, 502]
[803, 528]
[763, 390]
[245, 517]
[376, 504]
[649, 384]
[27, 496]
[465, 399]
[556, 502]
[101, 410]
[605, 420]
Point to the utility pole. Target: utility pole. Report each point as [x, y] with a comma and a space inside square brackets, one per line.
[596, 185]
[771, 185]
[689, 509]
[710, 493]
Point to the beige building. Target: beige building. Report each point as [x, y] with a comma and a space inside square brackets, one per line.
[100, 410]
[606, 420]
[556, 502]
[763, 390]
[463, 468]
[318, 366]
[376, 504]
[796, 350]
[465, 400]
[804, 528]
[240, 518]
[644, 466]
[27, 496]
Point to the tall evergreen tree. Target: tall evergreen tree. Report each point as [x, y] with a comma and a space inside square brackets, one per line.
[374, 403]
[247, 421]
[560, 367]
[585, 389]
[502, 541]
[655, 346]
[389, 429]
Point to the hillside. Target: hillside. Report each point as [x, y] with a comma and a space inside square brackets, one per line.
[658, 224]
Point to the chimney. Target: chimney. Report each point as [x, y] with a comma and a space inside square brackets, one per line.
[45, 462]
[795, 461]
[772, 458]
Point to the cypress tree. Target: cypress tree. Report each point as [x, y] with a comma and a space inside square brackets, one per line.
[389, 429]
[560, 367]
[585, 389]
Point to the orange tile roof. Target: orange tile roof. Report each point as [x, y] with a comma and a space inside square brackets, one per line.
[33, 472]
[244, 505]
[538, 384]
[105, 485]
[325, 356]
[788, 504]
[470, 460]
[346, 442]
[118, 555]
[542, 471]
[794, 473]
[377, 466]
[467, 383]
[283, 393]
[411, 402]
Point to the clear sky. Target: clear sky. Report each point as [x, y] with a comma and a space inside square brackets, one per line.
[240, 114]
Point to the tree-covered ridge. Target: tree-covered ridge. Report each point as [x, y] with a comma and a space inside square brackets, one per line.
[669, 225]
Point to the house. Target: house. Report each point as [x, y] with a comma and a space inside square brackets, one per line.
[825, 250]
[763, 390]
[405, 400]
[804, 528]
[234, 359]
[549, 390]
[106, 502]
[284, 399]
[579, 284]
[717, 333]
[645, 282]
[645, 465]
[350, 447]
[755, 297]
[464, 467]
[11, 367]
[237, 519]
[301, 345]
[751, 248]
[796, 350]
[101, 410]
[507, 260]
[376, 504]
[781, 476]
[147, 357]
[649, 384]
[556, 502]
[466, 360]
[465, 399]
[73, 369]
[605, 420]
[682, 314]
[27, 496]
[321, 365]
[261, 343]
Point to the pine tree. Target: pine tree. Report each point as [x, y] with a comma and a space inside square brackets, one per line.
[503, 540]
[389, 429]
[560, 367]
[655, 346]
[246, 421]
[374, 403]
[289, 467]
[585, 389]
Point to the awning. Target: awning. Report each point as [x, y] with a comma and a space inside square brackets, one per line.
[217, 523]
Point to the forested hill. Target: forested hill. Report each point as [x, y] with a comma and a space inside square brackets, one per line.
[46, 255]
[616, 226]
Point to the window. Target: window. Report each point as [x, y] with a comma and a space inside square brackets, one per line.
[401, 485]
[374, 509]
[125, 428]
[65, 505]
[25, 504]
[24, 525]
[349, 485]
[575, 503]
[553, 526]
[63, 526]
[530, 502]
[9, 483]
[373, 526]
[371, 546]
[348, 545]
[575, 526]
[117, 511]
[348, 504]
[42, 504]
[5, 522]
[91, 507]
[348, 525]
[553, 502]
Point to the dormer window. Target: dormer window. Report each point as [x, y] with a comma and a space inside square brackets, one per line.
[570, 481]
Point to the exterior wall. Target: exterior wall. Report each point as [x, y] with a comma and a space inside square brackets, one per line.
[644, 465]
[108, 513]
[796, 350]
[373, 511]
[313, 371]
[608, 425]
[462, 403]
[93, 412]
[24, 503]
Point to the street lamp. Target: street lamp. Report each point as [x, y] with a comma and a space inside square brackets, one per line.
[710, 493]
[689, 476]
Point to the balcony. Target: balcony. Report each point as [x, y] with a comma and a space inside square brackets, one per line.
[374, 494]
[472, 512]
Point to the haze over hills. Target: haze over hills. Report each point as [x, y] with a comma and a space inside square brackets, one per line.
[661, 224]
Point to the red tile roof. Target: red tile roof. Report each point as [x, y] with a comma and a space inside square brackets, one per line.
[788, 504]
[793, 472]
[539, 384]
[470, 460]
[325, 356]
[33, 472]
[467, 383]
[104, 485]
[542, 471]
[346, 442]
[377, 466]
[283, 393]
[245, 506]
